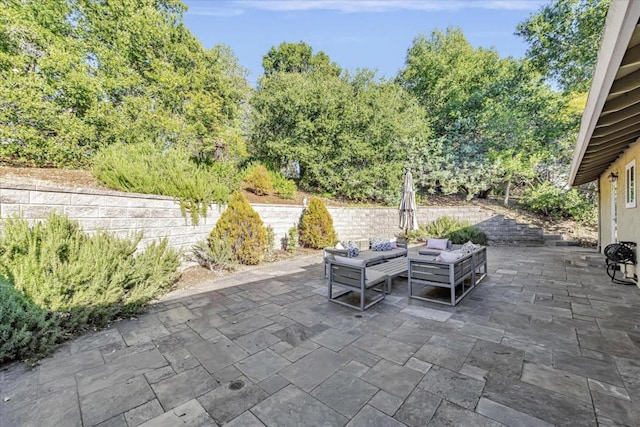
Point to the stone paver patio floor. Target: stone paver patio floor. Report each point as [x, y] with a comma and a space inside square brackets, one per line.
[540, 342]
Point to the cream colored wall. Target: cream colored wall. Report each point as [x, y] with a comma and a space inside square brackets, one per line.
[628, 218]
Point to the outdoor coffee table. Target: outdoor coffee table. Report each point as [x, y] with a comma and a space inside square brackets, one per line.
[393, 268]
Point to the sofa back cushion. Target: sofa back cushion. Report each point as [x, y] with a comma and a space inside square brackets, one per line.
[382, 243]
[350, 261]
[440, 244]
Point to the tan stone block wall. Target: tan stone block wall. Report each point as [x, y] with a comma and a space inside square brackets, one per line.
[158, 216]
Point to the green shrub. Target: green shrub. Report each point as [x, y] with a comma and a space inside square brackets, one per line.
[217, 255]
[419, 235]
[316, 226]
[444, 225]
[463, 235]
[292, 240]
[83, 280]
[556, 203]
[26, 331]
[285, 188]
[271, 240]
[258, 180]
[245, 230]
[145, 168]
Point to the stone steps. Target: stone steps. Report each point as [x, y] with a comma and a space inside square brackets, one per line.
[503, 231]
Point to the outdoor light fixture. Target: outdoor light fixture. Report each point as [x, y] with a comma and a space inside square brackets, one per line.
[613, 177]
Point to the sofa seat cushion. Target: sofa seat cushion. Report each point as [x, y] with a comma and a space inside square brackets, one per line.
[394, 253]
[426, 251]
[374, 277]
[371, 257]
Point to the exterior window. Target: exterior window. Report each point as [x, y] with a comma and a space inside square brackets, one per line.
[630, 185]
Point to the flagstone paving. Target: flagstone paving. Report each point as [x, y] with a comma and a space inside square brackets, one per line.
[540, 342]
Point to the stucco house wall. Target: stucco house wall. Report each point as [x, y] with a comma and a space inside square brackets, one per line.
[627, 218]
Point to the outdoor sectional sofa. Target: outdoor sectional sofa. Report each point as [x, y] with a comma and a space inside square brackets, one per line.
[369, 256]
[446, 282]
[353, 276]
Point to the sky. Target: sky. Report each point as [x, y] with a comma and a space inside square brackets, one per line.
[372, 34]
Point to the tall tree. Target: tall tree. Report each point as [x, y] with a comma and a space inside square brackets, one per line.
[298, 58]
[494, 117]
[352, 136]
[563, 40]
[82, 74]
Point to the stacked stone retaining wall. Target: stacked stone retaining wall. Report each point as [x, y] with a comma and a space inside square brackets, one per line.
[159, 216]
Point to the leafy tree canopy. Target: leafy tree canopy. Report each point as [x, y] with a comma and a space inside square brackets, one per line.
[563, 38]
[298, 58]
[351, 135]
[79, 75]
[495, 119]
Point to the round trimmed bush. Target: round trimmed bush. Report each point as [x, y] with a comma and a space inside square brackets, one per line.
[243, 227]
[316, 226]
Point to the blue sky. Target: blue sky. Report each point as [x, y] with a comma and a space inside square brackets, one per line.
[373, 34]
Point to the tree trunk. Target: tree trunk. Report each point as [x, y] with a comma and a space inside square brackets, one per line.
[506, 192]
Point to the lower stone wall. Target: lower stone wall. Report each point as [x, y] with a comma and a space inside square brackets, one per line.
[159, 216]
[357, 223]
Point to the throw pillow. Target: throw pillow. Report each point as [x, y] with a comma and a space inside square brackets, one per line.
[380, 244]
[469, 247]
[437, 244]
[352, 249]
[449, 256]
[339, 245]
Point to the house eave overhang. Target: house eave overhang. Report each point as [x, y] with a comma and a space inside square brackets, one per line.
[611, 118]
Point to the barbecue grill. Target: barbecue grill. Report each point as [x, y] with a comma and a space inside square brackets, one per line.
[619, 256]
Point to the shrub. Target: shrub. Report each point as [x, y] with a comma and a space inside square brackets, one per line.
[243, 227]
[463, 235]
[444, 225]
[83, 280]
[145, 168]
[292, 240]
[217, 255]
[258, 180]
[419, 235]
[285, 188]
[316, 226]
[26, 331]
[271, 239]
[556, 203]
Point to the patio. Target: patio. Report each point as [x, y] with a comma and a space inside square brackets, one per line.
[539, 342]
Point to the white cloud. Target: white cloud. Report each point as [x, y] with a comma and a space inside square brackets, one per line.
[213, 11]
[351, 6]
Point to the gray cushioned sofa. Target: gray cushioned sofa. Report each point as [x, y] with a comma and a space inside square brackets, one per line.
[372, 257]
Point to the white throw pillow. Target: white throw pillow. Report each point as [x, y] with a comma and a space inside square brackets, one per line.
[468, 248]
[448, 256]
[339, 245]
[437, 244]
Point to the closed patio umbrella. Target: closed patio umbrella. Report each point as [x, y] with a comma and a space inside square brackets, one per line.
[408, 206]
